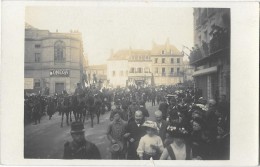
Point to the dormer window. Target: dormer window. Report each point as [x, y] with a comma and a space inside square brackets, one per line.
[163, 52]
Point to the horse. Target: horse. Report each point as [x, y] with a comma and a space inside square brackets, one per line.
[78, 107]
[94, 107]
[65, 109]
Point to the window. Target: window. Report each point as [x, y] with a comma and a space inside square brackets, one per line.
[163, 52]
[172, 60]
[178, 60]
[146, 57]
[37, 45]
[139, 70]
[59, 51]
[121, 73]
[132, 70]
[178, 70]
[172, 71]
[163, 60]
[163, 71]
[37, 83]
[37, 57]
[156, 70]
[114, 73]
[156, 60]
[146, 70]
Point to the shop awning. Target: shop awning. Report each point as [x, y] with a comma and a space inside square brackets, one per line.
[205, 71]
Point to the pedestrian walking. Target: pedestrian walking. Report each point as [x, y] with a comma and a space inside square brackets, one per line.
[115, 134]
[135, 131]
[150, 145]
[80, 148]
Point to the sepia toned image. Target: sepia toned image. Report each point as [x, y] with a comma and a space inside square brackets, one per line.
[127, 83]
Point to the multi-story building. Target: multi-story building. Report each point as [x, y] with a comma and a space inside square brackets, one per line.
[211, 54]
[97, 74]
[163, 63]
[53, 61]
[117, 68]
[167, 64]
[139, 65]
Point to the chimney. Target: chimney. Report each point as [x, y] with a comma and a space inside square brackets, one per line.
[56, 30]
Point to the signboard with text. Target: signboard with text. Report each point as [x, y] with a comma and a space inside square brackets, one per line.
[59, 73]
[28, 83]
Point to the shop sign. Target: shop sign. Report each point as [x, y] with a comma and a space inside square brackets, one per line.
[59, 73]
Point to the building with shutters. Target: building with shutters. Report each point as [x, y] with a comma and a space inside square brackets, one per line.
[163, 63]
[210, 56]
[167, 64]
[53, 60]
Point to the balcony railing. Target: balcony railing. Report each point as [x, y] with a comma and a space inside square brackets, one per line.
[168, 74]
[220, 40]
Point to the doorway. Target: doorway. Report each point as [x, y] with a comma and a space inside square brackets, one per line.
[59, 87]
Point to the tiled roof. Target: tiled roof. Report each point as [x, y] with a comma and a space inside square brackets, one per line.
[168, 48]
[120, 55]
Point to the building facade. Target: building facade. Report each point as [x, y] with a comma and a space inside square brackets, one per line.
[139, 65]
[167, 64]
[117, 68]
[210, 56]
[162, 65]
[53, 61]
[97, 74]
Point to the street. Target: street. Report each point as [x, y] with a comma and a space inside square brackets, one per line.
[46, 140]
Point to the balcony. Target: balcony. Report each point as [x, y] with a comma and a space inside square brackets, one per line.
[143, 74]
[220, 41]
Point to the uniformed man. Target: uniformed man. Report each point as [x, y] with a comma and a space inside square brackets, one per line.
[78, 90]
[80, 148]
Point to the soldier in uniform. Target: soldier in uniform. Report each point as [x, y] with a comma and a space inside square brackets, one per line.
[80, 148]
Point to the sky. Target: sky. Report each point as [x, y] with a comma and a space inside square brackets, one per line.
[113, 28]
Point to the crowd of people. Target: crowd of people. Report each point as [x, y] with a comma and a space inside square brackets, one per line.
[184, 126]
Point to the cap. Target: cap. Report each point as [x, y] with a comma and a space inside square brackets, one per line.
[77, 127]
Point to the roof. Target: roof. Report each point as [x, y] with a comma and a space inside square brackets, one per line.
[120, 55]
[167, 47]
[100, 66]
[28, 26]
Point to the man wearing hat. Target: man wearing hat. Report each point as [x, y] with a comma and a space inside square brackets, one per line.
[80, 148]
[78, 90]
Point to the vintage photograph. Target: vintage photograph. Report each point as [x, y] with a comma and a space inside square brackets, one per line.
[127, 83]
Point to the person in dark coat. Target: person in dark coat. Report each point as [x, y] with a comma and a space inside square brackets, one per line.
[163, 108]
[135, 131]
[80, 148]
[143, 109]
[161, 125]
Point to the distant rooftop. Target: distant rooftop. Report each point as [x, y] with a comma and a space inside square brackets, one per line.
[125, 54]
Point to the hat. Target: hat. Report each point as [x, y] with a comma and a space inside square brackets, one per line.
[150, 124]
[176, 130]
[116, 147]
[77, 127]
